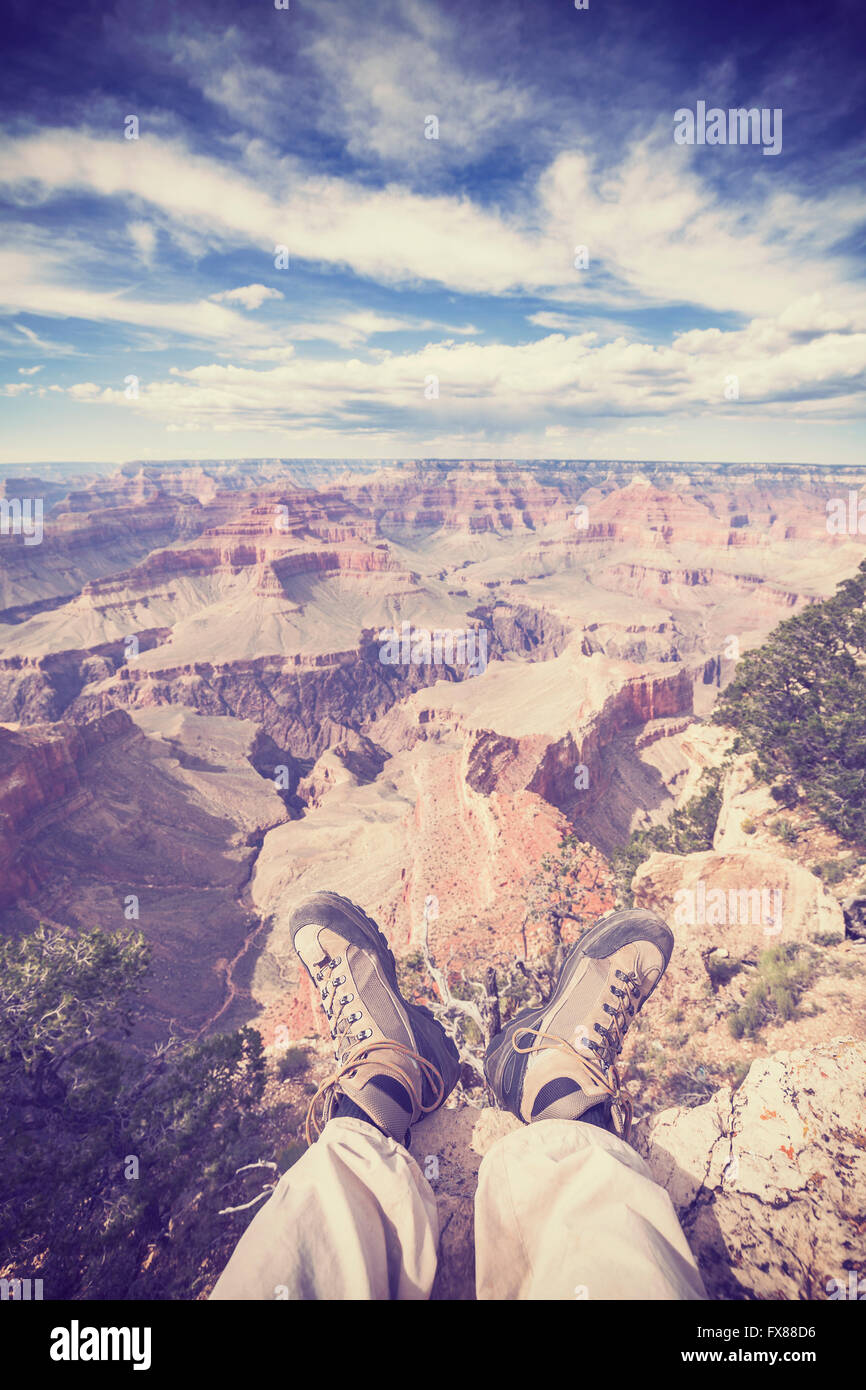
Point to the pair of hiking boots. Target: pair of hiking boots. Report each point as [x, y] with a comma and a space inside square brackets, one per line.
[397, 1064]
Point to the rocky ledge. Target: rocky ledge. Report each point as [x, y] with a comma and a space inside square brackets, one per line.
[769, 1180]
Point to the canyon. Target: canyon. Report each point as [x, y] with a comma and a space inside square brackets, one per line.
[206, 714]
[194, 709]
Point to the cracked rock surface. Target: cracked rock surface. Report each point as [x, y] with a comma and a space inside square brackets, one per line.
[769, 1180]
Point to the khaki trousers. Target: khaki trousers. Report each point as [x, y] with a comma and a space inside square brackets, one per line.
[563, 1210]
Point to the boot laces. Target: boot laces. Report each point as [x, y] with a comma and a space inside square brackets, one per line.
[621, 1015]
[609, 1080]
[604, 1072]
[327, 1094]
[340, 1023]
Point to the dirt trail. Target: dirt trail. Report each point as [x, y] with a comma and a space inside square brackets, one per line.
[260, 924]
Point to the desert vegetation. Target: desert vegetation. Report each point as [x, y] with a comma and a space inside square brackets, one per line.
[798, 702]
[110, 1152]
[688, 829]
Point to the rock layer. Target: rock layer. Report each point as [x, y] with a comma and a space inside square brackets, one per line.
[770, 1180]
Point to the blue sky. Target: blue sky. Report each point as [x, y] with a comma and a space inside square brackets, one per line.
[431, 304]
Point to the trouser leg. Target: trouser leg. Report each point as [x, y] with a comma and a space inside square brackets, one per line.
[354, 1218]
[567, 1210]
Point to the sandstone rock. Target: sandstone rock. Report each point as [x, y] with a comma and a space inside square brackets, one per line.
[40, 766]
[449, 1147]
[745, 800]
[168, 809]
[770, 1180]
[746, 899]
[704, 745]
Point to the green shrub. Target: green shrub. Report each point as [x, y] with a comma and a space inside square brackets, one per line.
[104, 1148]
[785, 793]
[676, 1074]
[749, 1018]
[688, 829]
[831, 871]
[290, 1061]
[784, 830]
[781, 979]
[412, 975]
[799, 702]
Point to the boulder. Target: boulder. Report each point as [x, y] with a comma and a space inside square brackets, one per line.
[745, 899]
[449, 1146]
[769, 1180]
[746, 801]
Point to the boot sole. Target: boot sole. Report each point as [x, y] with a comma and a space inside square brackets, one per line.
[503, 1067]
[331, 910]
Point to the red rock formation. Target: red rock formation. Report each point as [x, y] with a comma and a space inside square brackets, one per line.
[547, 768]
[302, 568]
[650, 581]
[38, 767]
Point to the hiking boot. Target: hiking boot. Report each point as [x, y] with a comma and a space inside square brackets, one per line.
[395, 1062]
[558, 1061]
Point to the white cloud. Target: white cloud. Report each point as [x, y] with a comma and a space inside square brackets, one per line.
[388, 234]
[565, 323]
[495, 386]
[654, 231]
[349, 330]
[143, 237]
[385, 92]
[29, 371]
[345, 331]
[250, 296]
[656, 228]
[378, 94]
[220, 67]
[41, 286]
[43, 344]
